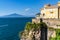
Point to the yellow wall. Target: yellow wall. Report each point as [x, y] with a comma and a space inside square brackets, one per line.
[48, 13]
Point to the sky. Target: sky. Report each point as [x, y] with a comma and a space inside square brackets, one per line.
[23, 7]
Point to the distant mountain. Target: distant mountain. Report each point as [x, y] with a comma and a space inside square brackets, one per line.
[14, 15]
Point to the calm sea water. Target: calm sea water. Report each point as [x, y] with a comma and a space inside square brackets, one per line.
[10, 27]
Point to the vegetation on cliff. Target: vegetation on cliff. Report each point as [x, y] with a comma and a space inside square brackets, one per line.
[32, 29]
[30, 26]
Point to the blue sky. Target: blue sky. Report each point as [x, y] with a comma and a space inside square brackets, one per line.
[23, 7]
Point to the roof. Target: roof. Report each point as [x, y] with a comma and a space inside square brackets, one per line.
[50, 6]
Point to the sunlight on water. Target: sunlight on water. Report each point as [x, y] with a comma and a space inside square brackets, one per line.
[3, 25]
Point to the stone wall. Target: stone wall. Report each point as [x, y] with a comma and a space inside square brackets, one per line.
[52, 22]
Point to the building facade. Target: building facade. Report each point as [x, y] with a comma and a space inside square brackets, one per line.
[51, 11]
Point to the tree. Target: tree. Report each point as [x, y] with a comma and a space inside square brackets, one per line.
[28, 26]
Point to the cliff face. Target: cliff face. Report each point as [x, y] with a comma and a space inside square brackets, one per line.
[31, 35]
[32, 31]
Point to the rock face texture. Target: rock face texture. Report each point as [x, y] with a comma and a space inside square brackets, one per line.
[35, 35]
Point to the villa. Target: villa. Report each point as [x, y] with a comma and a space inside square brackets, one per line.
[51, 16]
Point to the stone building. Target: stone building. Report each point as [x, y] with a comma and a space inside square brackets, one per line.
[51, 16]
[51, 11]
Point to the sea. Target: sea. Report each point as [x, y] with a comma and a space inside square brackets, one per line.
[10, 27]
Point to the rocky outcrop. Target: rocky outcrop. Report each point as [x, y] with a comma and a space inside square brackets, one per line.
[31, 36]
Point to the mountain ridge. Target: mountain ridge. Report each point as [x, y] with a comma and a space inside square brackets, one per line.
[13, 15]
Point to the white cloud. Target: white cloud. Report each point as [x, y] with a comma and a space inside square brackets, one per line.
[27, 9]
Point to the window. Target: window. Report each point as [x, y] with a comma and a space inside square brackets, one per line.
[51, 12]
[43, 14]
